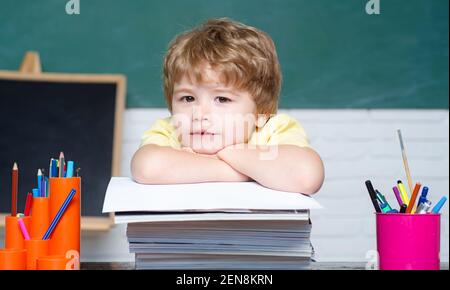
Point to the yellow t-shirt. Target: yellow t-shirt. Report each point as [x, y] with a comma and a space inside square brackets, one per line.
[279, 129]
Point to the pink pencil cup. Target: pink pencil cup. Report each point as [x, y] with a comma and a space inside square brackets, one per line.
[408, 241]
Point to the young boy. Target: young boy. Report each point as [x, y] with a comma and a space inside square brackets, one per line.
[221, 82]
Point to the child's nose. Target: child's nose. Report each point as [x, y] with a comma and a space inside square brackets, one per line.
[202, 112]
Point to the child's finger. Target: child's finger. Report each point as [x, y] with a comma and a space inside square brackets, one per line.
[187, 149]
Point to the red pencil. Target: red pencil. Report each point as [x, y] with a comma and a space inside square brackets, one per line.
[15, 181]
[28, 204]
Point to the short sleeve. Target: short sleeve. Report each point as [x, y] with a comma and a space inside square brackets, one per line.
[161, 133]
[281, 129]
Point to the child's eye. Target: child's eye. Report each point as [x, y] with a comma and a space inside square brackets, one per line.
[223, 99]
[188, 99]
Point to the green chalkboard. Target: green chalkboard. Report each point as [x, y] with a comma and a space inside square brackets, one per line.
[333, 54]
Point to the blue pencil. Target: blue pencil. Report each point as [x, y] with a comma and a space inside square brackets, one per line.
[42, 188]
[39, 181]
[55, 168]
[69, 172]
[59, 214]
[46, 186]
[35, 192]
[50, 168]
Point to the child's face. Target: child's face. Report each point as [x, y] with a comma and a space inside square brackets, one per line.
[210, 115]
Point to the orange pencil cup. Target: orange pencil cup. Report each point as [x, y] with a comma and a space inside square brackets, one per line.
[53, 262]
[40, 213]
[13, 259]
[66, 235]
[36, 248]
[13, 235]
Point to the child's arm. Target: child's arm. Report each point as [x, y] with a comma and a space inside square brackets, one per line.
[287, 168]
[153, 164]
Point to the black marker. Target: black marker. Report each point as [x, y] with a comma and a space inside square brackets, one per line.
[403, 208]
[373, 196]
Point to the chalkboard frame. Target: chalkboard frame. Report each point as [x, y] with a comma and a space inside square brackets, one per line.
[88, 223]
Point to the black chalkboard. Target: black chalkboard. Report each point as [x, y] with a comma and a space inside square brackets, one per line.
[41, 118]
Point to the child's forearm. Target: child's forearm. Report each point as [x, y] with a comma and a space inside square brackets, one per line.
[286, 168]
[153, 164]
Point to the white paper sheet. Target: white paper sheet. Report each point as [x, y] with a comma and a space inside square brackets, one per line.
[125, 195]
[223, 216]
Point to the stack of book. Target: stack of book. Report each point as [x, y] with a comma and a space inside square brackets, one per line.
[213, 225]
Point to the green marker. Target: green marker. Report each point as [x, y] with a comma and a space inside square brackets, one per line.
[384, 205]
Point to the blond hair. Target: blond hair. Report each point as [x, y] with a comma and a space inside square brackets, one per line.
[244, 56]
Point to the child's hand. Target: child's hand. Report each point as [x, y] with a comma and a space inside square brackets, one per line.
[213, 156]
[232, 175]
[189, 149]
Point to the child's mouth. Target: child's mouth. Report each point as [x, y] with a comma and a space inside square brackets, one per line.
[204, 133]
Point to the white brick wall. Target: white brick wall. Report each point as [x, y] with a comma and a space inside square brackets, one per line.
[355, 145]
[362, 144]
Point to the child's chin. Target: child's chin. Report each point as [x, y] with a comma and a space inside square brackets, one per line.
[206, 150]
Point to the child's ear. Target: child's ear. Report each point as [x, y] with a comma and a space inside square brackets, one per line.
[261, 120]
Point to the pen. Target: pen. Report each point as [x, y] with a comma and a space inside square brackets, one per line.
[423, 196]
[397, 195]
[403, 193]
[403, 208]
[439, 205]
[424, 207]
[373, 196]
[384, 205]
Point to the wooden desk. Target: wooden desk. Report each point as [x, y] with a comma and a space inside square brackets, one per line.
[314, 266]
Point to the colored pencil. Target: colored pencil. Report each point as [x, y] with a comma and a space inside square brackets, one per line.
[412, 201]
[50, 168]
[42, 187]
[28, 204]
[59, 214]
[24, 230]
[69, 172]
[54, 168]
[15, 185]
[39, 181]
[46, 186]
[61, 164]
